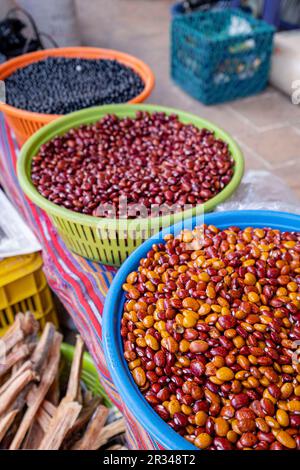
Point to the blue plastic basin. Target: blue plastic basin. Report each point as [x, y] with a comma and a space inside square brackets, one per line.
[145, 416]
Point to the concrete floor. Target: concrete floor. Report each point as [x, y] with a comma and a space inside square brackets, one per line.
[266, 126]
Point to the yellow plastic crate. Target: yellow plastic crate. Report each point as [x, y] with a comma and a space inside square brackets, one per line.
[23, 287]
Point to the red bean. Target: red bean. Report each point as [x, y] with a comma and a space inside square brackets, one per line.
[248, 439]
[150, 159]
[295, 421]
[267, 437]
[240, 400]
[221, 443]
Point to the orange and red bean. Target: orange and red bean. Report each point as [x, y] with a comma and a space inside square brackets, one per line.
[211, 326]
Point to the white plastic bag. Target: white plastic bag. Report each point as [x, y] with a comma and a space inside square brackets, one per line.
[262, 190]
[15, 237]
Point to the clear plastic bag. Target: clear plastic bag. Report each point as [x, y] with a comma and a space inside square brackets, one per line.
[262, 190]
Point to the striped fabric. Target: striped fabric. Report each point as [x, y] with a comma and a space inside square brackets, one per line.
[80, 284]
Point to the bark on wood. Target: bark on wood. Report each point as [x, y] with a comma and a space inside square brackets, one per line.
[39, 392]
[93, 437]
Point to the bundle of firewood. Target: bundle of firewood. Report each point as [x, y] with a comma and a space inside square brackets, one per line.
[36, 410]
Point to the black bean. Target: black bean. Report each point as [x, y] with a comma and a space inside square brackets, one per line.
[58, 85]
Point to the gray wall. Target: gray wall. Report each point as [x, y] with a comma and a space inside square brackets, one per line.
[5, 5]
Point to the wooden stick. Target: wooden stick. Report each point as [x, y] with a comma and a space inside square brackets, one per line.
[49, 407]
[53, 395]
[23, 326]
[64, 418]
[44, 419]
[45, 414]
[10, 394]
[26, 366]
[18, 353]
[11, 432]
[41, 351]
[30, 325]
[20, 401]
[85, 415]
[17, 364]
[6, 422]
[14, 334]
[93, 436]
[110, 431]
[39, 392]
[74, 378]
[33, 437]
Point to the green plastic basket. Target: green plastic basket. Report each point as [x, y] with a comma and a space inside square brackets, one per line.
[89, 374]
[109, 240]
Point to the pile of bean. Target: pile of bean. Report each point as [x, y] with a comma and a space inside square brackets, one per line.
[58, 85]
[210, 335]
[153, 160]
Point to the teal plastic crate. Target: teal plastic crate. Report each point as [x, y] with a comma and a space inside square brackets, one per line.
[214, 65]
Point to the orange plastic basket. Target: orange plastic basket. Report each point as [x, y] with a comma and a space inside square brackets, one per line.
[26, 123]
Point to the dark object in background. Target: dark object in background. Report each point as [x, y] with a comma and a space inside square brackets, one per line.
[191, 5]
[59, 85]
[13, 42]
[2, 58]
